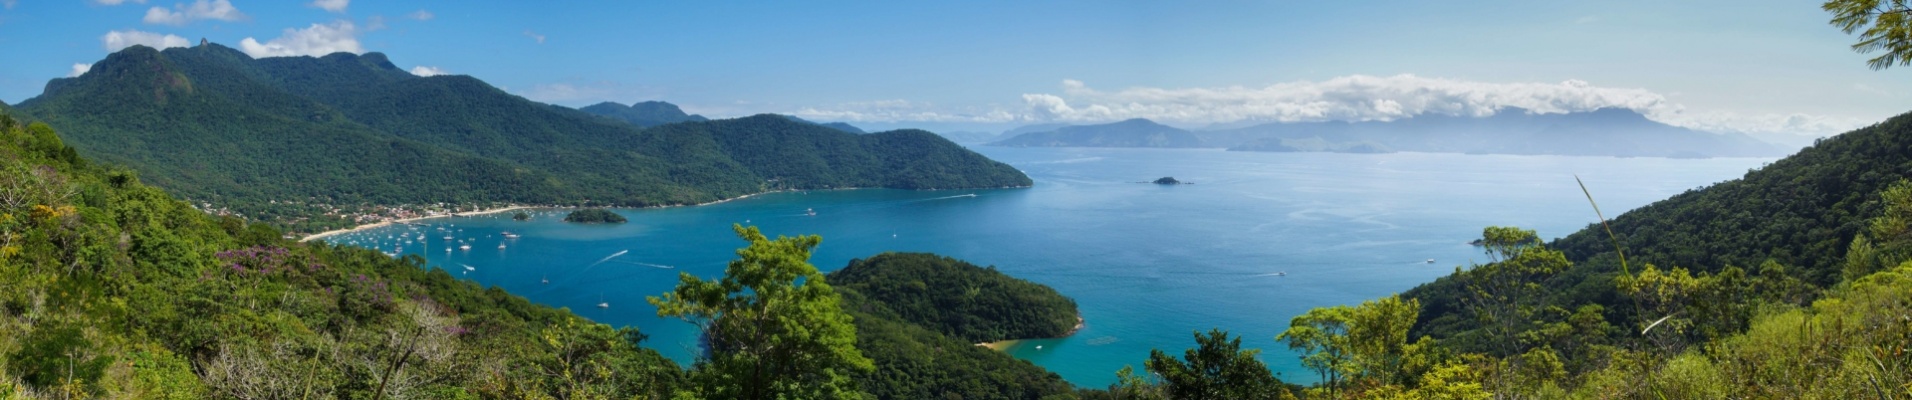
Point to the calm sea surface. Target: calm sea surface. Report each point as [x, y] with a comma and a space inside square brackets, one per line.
[1147, 264]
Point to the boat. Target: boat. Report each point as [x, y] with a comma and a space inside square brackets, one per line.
[1430, 261]
[509, 235]
[1281, 273]
[464, 247]
[810, 211]
[501, 246]
[544, 279]
[602, 303]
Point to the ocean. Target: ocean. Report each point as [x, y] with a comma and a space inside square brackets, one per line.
[1256, 239]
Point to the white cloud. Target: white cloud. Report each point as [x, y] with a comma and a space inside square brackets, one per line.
[317, 40]
[580, 93]
[375, 22]
[420, 15]
[201, 9]
[118, 2]
[116, 40]
[1348, 98]
[79, 69]
[337, 6]
[567, 93]
[428, 71]
[8, 4]
[898, 110]
[534, 36]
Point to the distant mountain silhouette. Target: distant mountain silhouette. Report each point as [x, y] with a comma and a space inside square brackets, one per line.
[1131, 133]
[1603, 132]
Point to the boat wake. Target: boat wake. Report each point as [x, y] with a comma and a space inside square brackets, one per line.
[613, 255]
[658, 266]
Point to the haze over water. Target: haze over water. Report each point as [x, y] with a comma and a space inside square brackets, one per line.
[1147, 264]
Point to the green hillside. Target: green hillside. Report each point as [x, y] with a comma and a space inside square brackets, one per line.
[1798, 215]
[310, 142]
[1790, 282]
[972, 303]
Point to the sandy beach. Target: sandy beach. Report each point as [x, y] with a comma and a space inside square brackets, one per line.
[322, 235]
[1002, 345]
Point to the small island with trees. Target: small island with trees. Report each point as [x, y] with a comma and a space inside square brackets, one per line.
[1170, 180]
[594, 216]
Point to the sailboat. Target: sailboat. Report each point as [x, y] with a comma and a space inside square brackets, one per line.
[810, 211]
[545, 279]
[601, 302]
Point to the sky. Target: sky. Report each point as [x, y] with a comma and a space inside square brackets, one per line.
[1775, 69]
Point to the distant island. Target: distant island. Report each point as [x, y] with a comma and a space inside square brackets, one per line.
[1168, 180]
[594, 216]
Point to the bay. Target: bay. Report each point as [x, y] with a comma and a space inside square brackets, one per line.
[1255, 240]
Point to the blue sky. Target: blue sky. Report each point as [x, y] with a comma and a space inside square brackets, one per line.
[1764, 67]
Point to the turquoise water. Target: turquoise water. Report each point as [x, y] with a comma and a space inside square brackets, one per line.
[1147, 264]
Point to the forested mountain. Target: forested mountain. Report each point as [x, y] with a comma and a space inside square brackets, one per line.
[291, 138]
[828, 158]
[1130, 133]
[644, 113]
[1604, 132]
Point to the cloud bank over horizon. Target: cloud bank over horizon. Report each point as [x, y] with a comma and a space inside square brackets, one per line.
[1353, 98]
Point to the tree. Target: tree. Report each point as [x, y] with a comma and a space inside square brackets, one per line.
[1887, 26]
[1217, 368]
[1377, 337]
[774, 327]
[1506, 296]
[1366, 345]
[1321, 335]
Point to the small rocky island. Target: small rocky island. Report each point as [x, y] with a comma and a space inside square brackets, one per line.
[594, 216]
[1170, 180]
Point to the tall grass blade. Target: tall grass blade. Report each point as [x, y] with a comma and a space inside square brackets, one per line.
[1603, 224]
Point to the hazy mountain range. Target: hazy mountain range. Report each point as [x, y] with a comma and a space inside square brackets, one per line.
[1604, 132]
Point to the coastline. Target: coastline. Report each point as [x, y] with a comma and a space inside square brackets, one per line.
[381, 224]
[1004, 345]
